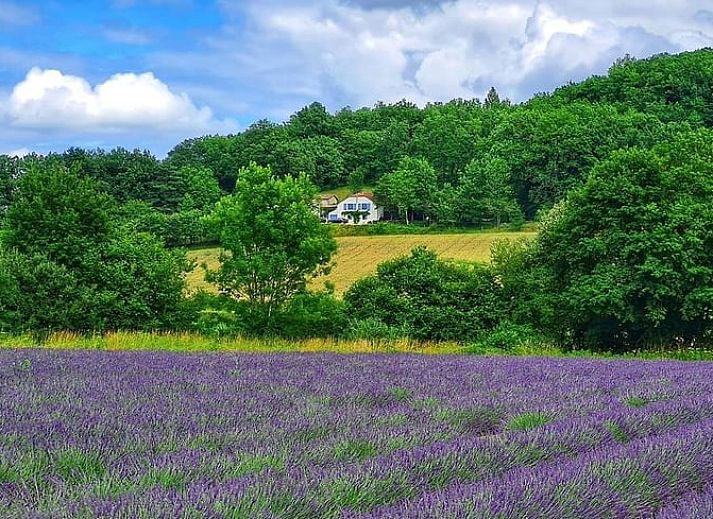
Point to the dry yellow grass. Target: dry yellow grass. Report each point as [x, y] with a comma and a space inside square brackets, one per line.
[358, 256]
[187, 342]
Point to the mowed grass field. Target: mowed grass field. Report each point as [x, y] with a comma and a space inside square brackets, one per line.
[358, 256]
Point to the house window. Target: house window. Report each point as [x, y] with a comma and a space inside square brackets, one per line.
[365, 207]
[333, 217]
[350, 207]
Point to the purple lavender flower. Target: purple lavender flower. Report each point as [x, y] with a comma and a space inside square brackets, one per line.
[146, 434]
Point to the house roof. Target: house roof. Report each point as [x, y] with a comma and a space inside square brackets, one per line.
[327, 196]
[365, 194]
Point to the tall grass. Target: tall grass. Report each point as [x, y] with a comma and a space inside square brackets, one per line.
[191, 342]
[196, 343]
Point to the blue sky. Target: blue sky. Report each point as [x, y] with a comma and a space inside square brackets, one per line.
[149, 73]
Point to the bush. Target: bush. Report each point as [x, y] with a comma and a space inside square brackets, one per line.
[308, 314]
[312, 314]
[431, 298]
[510, 337]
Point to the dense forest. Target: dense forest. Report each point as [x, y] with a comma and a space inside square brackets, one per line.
[462, 163]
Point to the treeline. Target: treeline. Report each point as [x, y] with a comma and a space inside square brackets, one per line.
[465, 162]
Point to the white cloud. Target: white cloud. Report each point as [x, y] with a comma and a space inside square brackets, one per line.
[286, 54]
[51, 100]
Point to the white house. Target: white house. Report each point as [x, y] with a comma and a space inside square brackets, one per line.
[357, 209]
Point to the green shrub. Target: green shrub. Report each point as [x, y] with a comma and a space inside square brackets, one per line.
[508, 336]
[432, 299]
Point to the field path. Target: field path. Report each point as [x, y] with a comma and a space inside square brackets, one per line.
[358, 256]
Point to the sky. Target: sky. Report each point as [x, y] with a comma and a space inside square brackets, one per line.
[150, 73]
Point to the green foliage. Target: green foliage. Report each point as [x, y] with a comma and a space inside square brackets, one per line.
[125, 175]
[201, 191]
[429, 298]
[354, 450]
[40, 294]
[67, 265]
[320, 158]
[58, 214]
[9, 175]
[313, 314]
[408, 189]
[629, 256]
[375, 330]
[510, 337]
[219, 154]
[635, 401]
[180, 229]
[306, 315]
[673, 88]
[550, 149]
[527, 421]
[485, 193]
[273, 239]
[447, 137]
[616, 431]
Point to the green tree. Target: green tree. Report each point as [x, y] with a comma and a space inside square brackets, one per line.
[630, 254]
[447, 137]
[75, 267]
[446, 204]
[410, 188]
[201, 189]
[550, 149]
[127, 175]
[9, 175]
[58, 214]
[312, 121]
[492, 99]
[272, 238]
[320, 158]
[220, 154]
[485, 193]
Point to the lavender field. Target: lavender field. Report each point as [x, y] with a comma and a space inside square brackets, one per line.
[139, 434]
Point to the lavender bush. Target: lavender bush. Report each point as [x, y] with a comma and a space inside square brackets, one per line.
[139, 434]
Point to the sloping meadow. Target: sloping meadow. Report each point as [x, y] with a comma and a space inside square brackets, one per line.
[148, 434]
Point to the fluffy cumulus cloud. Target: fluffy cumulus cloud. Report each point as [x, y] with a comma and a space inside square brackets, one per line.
[360, 51]
[51, 100]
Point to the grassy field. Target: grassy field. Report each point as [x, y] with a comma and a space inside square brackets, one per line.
[358, 256]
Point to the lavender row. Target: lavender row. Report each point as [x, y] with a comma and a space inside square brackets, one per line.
[632, 481]
[695, 505]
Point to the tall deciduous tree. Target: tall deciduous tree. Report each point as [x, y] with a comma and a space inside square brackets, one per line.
[486, 194]
[410, 188]
[73, 267]
[630, 254]
[272, 238]
[201, 189]
[58, 214]
[9, 174]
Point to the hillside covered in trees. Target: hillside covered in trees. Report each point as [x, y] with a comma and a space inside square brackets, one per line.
[465, 162]
[616, 168]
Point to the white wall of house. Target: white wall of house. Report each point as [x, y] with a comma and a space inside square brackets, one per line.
[363, 204]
